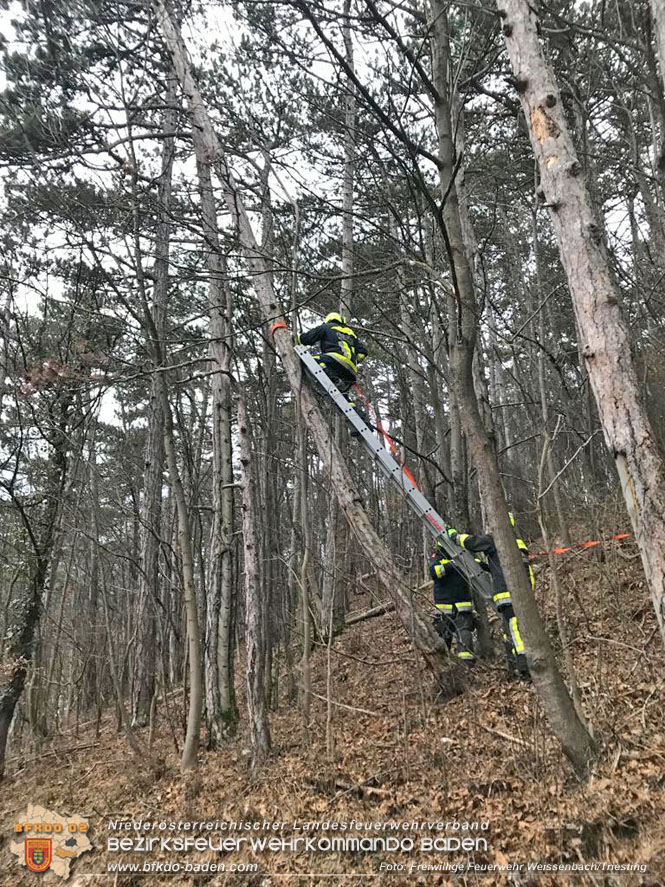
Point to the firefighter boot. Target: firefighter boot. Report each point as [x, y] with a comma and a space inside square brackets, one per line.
[362, 414]
[522, 668]
[511, 661]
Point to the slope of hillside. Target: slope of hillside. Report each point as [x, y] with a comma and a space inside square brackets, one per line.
[403, 754]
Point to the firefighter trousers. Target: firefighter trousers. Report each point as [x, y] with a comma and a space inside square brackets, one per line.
[457, 621]
[512, 639]
[344, 381]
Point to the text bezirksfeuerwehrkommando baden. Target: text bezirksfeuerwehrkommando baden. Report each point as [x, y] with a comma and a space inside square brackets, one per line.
[301, 836]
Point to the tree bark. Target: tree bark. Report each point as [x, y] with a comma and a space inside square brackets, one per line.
[422, 633]
[602, 330]
[304, 571]
[658, 13]
[349, 170]
[221, 710]
[564, 534]
[188, 760]
[151, 505]
[333, 598]
[259, 728]
[565, 723]
[42, 536]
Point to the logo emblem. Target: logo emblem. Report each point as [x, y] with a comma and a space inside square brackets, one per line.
[38, 853]
[46, 840]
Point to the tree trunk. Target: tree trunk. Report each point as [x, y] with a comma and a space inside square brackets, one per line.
[422, 633]
[304, 573]
[658, 13]
[349, 170]
[564, 534]
[221, 710]
[333, 598]
[188, 760]
[602, 330]
[259, 728]
[565, 723]
[21, 638]
[151, 506]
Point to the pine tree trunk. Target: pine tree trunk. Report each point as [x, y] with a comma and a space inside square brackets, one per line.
[658, 13]
[188, 760]
[151, 505]
[333, 598]
[259, 728]
[422, 633]
[22, 635]
[564, 534]
[564, 721]
[437, 372]
[602, 331]
[349, 170]
[145, 656]
[221, 710]
[91, 675]
[304, 574]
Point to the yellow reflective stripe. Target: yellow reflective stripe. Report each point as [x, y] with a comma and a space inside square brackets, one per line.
[341, 358]
[521, 544]
[438, 569]
[448, 608]
[464, 605]
[532, 577]
[461, 539]
[345, 330]
[502, 596]
[518, 643]
[464, 654]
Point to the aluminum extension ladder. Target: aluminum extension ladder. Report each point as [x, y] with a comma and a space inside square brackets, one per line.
[464, 561]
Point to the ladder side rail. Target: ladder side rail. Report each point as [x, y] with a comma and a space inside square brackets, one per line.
[418, 503]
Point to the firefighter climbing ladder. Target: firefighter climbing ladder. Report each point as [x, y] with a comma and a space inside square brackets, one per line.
[395, 472]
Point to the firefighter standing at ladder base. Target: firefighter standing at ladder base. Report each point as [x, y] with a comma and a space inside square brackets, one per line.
[502, 599]
[452, 598]
[341, 353]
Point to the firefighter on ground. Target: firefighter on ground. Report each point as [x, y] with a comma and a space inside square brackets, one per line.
[452, 598]
[341, 352]
[503, 602]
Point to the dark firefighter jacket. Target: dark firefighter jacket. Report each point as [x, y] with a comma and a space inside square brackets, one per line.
[340, 342]
[450, 587]
[485, 544]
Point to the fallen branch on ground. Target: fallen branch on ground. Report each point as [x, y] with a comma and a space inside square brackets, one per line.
[370, 614]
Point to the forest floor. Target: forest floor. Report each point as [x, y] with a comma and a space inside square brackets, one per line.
[485, 755]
